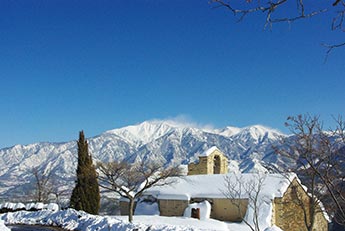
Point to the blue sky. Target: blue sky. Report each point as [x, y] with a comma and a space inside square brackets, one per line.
[99, 65]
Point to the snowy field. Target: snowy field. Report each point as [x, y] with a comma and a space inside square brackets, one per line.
[2, 226]
[75, 220]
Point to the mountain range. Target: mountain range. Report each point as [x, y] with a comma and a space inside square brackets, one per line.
[248, 149]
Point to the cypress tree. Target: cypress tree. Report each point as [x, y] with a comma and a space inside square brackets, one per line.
[85, 195]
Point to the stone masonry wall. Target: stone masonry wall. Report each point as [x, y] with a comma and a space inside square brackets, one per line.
[206, 164]
[222, 209]
[223, 162]
[198, 168]
[288, 212]
[172, 207]
[229, 210]
[320, 222]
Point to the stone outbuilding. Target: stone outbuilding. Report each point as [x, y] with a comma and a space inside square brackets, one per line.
[282, 200]
[277, 203]
[212, 161]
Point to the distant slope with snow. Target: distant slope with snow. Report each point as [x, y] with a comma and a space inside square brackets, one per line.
[168, 142]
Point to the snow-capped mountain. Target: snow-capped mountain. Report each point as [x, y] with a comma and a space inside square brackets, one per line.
[169, 142]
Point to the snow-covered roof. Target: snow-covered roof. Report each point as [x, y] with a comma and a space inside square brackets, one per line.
[213, 186]
[209, 151]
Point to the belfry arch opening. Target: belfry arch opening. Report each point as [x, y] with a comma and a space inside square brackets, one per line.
[212, 161]
[216, 165]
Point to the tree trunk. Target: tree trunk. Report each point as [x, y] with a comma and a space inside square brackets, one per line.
[131, 210]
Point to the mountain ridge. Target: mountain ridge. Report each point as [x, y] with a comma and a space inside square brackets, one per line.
[167, 142]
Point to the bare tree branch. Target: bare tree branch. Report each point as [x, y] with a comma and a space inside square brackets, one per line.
[237, 188]
[330, 48]
[44, 184]
[131, 180]
[269, 8]
[319, 159]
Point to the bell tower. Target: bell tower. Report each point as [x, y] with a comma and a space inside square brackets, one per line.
[212, 161]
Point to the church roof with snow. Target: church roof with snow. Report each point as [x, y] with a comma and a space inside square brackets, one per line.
[214, 186]
[209, 151]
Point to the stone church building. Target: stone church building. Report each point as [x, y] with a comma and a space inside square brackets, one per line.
[283, 201]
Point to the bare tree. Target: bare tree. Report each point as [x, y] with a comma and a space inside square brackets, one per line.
[59, 192]
[44, 185]
[307, 201]
[275, 11]
[131, 180]
[47, 186]
[238, 188]
[319, 161]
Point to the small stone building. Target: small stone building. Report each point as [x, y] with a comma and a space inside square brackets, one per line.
[206, 180]
[212, 161]
[289, 210]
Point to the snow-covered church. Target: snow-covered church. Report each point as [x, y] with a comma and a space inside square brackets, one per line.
[280, 201]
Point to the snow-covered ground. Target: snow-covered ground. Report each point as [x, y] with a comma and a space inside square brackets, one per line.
[3, 227]
[75, 220]
[147, 214]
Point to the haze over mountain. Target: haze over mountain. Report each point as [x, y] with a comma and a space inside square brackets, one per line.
[169, 142]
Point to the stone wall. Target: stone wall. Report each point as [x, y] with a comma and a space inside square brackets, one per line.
[215, 163]
[291, 212]
[229, 210]
[320, 222]
[221, 209]
[172, 207]
[199, 168]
